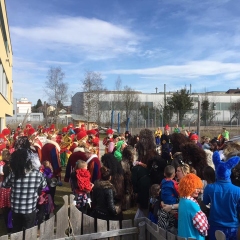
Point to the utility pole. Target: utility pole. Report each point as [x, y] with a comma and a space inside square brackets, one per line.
[199, 114]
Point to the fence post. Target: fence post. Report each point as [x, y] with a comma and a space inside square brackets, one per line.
[142, 233]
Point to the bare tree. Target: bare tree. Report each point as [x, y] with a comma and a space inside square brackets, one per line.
[117, 96]
[92, 86]
[55, 88]
[130, 99]
[235, 108]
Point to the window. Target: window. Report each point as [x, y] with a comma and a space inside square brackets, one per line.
[2, 26]
[3, 82]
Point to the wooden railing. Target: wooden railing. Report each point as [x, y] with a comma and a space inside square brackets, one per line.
[71, 224]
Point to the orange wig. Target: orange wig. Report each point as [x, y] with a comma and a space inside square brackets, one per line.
[188, 184]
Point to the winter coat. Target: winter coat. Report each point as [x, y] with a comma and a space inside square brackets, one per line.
[141, 185]
[103, 198]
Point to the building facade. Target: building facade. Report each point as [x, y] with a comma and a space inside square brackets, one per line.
[111, 104]
[6, 63]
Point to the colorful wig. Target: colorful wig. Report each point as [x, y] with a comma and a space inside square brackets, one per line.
[188, 184]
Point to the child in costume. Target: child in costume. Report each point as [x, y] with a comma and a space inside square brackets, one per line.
[82, 186]
[224, 198]
[154, 203]
[45, 204]
[192, 222]
[169, 195]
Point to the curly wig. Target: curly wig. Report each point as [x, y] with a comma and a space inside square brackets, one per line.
[188, 184]
[128, 154]
[146, 145]
[231, 149]
[195, 157]
[176, 140]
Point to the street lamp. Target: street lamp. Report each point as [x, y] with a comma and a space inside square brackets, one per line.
[199, 113]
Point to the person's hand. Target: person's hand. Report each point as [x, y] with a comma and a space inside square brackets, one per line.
[166, 207]
[118, 209]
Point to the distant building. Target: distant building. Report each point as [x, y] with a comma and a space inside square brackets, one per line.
[24, 106]
[220, 102]
[6, 82]
[23, 110]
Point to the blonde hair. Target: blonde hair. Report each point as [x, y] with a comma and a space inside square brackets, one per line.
[80, 164]
[185, 168]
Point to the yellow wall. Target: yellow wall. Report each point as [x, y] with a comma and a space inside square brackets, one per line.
[6, 102]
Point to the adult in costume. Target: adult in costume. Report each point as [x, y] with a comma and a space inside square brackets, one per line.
[224, 198]
[158, 134]
[51, 153]
[108, 141]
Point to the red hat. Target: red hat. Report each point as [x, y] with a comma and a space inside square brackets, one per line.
[194, 137]
[28, 125]
[31, 131]
[83, 127]
[109, 131]
[6, 131]
[91, 132]
[81, 135]
[166, 127]
[52, 127]
[64, 130]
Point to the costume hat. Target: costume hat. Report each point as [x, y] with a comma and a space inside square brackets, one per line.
[109, 131]
[194, 137]
[167, 127]
[223, 169]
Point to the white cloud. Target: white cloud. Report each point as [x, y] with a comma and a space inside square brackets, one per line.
[191, 69]
[80, 34]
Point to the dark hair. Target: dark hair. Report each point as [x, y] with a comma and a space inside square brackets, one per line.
[109, 161]
[105, 173]
[176, 140]
[209, 174]
[169, 171]
[195, 157]
[127, 154]
[20, 163]
[22, 142]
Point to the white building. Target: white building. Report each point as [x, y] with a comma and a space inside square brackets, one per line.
[24, 106]
[220, 102]
[21, 109]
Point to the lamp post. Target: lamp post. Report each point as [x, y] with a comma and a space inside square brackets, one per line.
[198, 121]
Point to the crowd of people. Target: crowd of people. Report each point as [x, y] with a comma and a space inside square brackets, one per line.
[186, 185]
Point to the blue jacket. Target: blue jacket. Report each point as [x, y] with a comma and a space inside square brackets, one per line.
[169, 191]
[225, 203]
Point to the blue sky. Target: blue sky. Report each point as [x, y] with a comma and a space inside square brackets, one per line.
[147, 43]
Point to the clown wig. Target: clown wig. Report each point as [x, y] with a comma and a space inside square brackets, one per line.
[188, 184]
